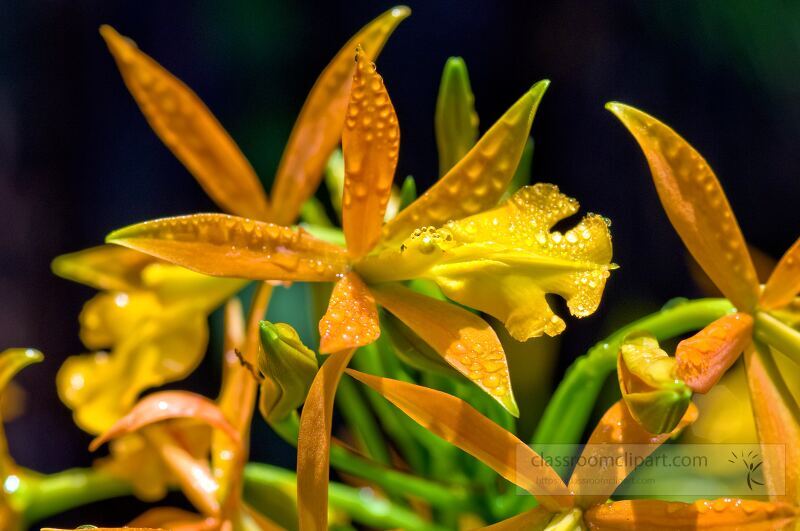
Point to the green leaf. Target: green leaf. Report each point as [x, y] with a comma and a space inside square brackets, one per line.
[456, 120]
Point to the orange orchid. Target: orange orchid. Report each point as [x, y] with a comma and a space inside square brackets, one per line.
[582, 502]
[699, 210]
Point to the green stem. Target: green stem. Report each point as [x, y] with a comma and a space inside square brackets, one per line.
[359, 504]
[360, 421]
[55, 493]
[778, 334]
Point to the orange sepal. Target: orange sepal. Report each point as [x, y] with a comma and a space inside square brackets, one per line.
[696, 205]
[784, 282]
[616, 434]
[351, 320]
[463, 339]
[228, 246]
[167, 405]
[723, 513]
[702, 359]
[370, 144]
[457, 422]
[314, 442]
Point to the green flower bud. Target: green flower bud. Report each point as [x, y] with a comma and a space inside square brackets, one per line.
[288, 367]
[456, 120]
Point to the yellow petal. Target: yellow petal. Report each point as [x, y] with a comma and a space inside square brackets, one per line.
[189, 130]
[696, 205]
[724, 513]
[166, 405]
[220, 245]
[351, 320]
[314, 442]
[370, 143]
[784, 282]
[461, 338]
[534, 520]
[319, 125]
[457, 422]
[12, 361]
[176, 284]
[777, 423]
[505, 260]
[703, 358]
[617, 434]
[100, 388]
[109, 317]
[106, 267]
[478, 181]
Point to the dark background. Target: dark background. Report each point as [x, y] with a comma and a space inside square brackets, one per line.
[77, 159]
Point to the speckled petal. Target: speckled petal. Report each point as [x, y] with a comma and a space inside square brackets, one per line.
[478, 181]
[370, 143]
[189, 130]
[319, 125]
[461, 338]
[221, 245]
[784, 282]
[696, 205]
[351, 320]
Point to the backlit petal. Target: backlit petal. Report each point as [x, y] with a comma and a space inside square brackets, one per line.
[106, 267]
[784, 283]
[176, 284]
[456, 120]
[370, 143]
[220, 245]
[457, 422]
[463, 339]
[724, 513]
[696, 205]
[314, 442]
[617, 434]
[351, 320]
[703, 358]
[319, 125]
[505, 260]
[189, 130]
[12, 361]
[479, 179]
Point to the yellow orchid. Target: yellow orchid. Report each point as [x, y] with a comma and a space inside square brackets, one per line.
[699, 210]
[502, 260]
[151, 314]
[573, 506]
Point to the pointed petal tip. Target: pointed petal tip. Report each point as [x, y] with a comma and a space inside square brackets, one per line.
[509, 403]
[400, 12]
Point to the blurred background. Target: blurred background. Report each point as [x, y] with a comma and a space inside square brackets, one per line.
[77, 159]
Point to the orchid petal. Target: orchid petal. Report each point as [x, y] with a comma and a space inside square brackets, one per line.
[351, 320]
[724, 513]
[173, 518]
[696, 205]
[314, 442]
[189, 130]
[703, 358]
[455, 119]
[461, 338]
[106, 267]
[370, 143]
[11, 362]
[319, 125]
[457, 422]
[479, 179]
[616, 434]
[175, 284]
[221, 245]
[784, 282]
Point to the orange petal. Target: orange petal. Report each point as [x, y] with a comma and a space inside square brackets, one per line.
[172, 518]
[534, 519]
[319, 125]
[457, 422]
[724, 513]
[703, 358]
[777, 423]
[227, 246]
[106, 267]
[479, 180]
[314, 442]
[463, 339]
[107, 529]
[696, 205]
[784, 282]
[616, 434]
[352, 317]
[186, 126]
[167, 405]
[370, 143]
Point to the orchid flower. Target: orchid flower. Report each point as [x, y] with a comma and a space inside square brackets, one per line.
[152, 315]
[699, 210]
[572, 506]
